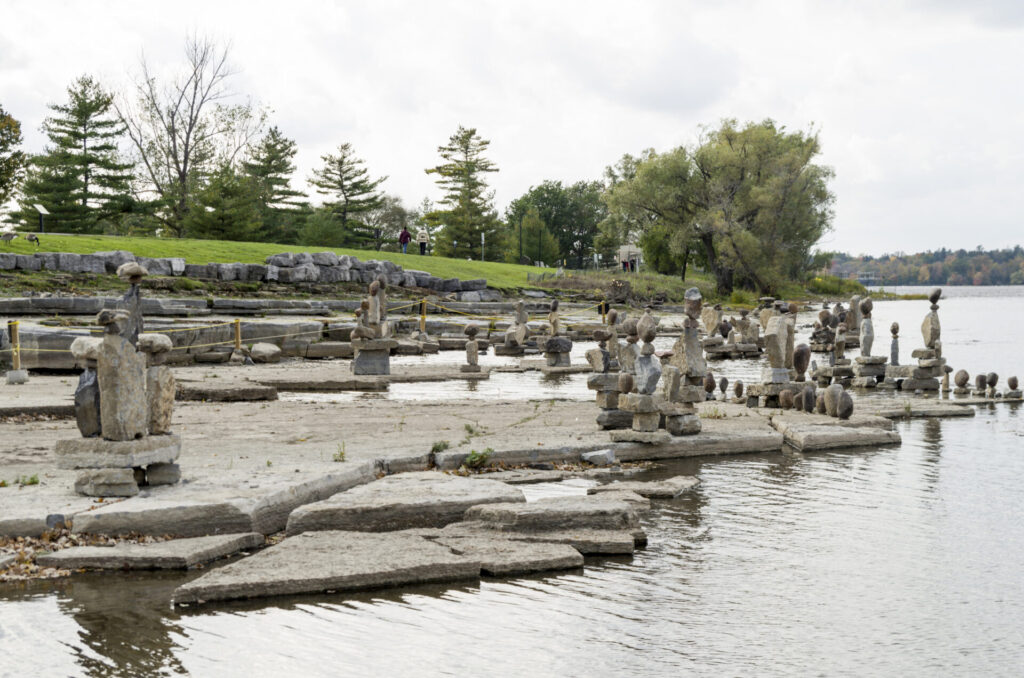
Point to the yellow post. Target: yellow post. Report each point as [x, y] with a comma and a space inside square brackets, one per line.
[238, 334]
[423, 316]
[12, 326]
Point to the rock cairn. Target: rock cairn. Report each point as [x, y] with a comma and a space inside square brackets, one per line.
[930, 363]
[472, 350]
[681, 387]
[782, 372]
[517, 333]
[869, 369]
[371, 339]
[737, 337]
[1013, 391]
[123, 404]
[556, 347]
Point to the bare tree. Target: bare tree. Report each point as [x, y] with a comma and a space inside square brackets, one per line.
[183, 130]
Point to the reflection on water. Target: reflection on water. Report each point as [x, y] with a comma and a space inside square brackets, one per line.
[897, 561]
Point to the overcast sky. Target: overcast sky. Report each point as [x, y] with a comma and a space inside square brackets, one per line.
[919, 103]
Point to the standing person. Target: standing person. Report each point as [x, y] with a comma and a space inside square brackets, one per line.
[404, 237]
[422, 237]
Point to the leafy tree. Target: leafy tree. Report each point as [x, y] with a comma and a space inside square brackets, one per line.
[750, 197]
[182, 132]
[80, 178]
[467, 207]
[571, 213]
[226, 208]
[538, 243]
[270, 165]
[321, 229]
[12, 160]
[387, 221]
[621, 226]
[353, 194]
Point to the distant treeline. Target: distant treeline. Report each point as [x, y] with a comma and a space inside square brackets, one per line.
[941, 267]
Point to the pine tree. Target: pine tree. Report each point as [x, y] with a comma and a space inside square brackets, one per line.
[12, 160]
[469, 210]
[270, 165]
[225, 209]
[79, 178]
[344, 178]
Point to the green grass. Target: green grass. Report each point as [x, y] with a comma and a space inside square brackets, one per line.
[501, 276]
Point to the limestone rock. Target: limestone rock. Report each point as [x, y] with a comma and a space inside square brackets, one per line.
[558, 513]
[87, 404]
[647, 372]
[263, 352]
[402, 501]
[775, 338]
[801, 360]
[121, 372]
[845, 407]
[833, 394]
[154, 343]
[163, 474]
[332, 561]
[86, 348]
[160, 398]
[657, 489]
[73, 453]
[930, 329]
[107, 482]
[176, 554]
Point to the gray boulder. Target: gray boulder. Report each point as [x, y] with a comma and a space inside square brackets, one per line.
[325, 258]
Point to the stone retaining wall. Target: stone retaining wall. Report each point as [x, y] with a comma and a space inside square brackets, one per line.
[287, 267]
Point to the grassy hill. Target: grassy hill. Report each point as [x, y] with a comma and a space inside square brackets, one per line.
[502, 276]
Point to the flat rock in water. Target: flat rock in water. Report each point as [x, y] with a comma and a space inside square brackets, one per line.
[500, 556]
[558, 513]
[586, 541]
[657, 489]
[229, 392]
[523, 476]
[316, 562]
[177, 554]
[402, 501]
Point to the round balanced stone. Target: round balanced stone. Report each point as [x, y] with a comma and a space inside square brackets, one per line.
[1012, 383]
[709, 383]
[935, 295]
[845, 409]
[786, 399]
[979, 382]
[832, 396]
[961, 378]
[737, 388]
[895, 329]
[865, 307]
[723, 384]
[809, 399]
[801, 358]
[992, 379]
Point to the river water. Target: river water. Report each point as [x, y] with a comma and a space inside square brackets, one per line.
[901, 561]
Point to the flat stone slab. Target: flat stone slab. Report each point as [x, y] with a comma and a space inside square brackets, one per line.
[586, 541]
[237, 392]
[917, 409]
[177, 554]
[824, 436]
[6, 560]
[558, 513]
[222, 504]
[317, 562]
[500, 556]
[657, 489]
[75, 453]
[626, 435]
[524, 476]
[402, 501]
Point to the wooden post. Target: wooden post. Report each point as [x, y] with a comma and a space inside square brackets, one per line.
[238, 334]
[604, 311]
[12, 328]
[423, 316]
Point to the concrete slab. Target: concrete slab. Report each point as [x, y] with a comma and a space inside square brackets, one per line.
[176, 554]
[225, 392]
[500, 556]
[657, 489]
[237, 503]
[588, 542]
[558, 513]
[328, 561]
[399, 502]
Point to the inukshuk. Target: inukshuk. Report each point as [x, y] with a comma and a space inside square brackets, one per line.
[371, 339]
[683, 377]
[642, 402]
[930, 363]
[556, 348]
[869, 369]
[606, 384]
[780, 373]
[516, 335]
[123, 405]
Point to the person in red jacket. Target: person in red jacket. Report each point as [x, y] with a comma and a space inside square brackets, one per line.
[404, 238]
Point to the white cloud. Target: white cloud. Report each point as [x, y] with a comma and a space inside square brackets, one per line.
[916, 101]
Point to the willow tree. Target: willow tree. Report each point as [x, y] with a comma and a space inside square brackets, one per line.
[750, 200]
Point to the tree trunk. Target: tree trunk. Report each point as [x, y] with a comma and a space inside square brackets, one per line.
[686, 260]
[722, 273]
